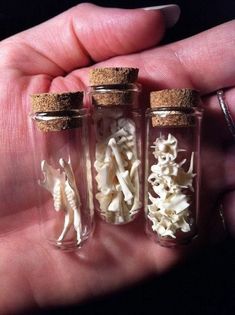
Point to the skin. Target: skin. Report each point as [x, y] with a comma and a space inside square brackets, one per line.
[55, 57]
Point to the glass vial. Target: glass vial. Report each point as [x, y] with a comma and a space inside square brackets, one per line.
[62, 167]
[173, 128]
[117, 147]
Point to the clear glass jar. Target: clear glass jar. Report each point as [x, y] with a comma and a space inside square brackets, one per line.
[117, 145]
[172, 181]
[62, 168]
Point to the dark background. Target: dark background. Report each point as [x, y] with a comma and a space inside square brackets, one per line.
[206, 283]
[197, 15]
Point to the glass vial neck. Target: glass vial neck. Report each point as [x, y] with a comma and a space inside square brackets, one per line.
[114, 94]
[59, 120]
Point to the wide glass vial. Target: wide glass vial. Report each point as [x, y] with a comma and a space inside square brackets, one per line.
[117, 146]
[62, 167]
[173, 129]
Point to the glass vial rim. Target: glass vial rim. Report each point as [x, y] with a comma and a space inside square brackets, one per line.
[197, 111]
[106, 88]
[46, 116]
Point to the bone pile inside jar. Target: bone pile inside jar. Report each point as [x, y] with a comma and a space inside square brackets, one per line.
[117, 170]
[61, 184]
[169, 210]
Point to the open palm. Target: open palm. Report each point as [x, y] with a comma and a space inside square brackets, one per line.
[55, 56]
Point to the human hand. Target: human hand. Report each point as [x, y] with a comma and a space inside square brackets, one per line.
[54, 57]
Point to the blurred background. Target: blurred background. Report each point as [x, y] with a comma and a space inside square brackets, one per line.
[206, 283]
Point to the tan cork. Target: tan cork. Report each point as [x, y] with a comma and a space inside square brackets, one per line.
[174, 98]
[53, 102]
[114, 98]
[176, 103]
[113, 76]
[50, 102]
[59, 124]
[118, 75]
[174, 118]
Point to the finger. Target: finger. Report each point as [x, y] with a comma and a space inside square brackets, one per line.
[204, 62]
[222, 141]
[207, 58]
[89, 33]
[195, 62]
[212, 103]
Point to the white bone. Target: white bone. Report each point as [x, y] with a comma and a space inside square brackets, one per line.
[130, 138]
[107, 157]
[122, 140]
[63, 188]
[119, 133]
[103, 176]
[53, 181]
[68, 220]
[119, 154]
[77, 226]
[170, 210]
[128, 196]
[135, 179]
[116, 202]
[126, 176]
[57, 196]
[130, 144]
[129, 155]
[112, 143]
[72, 196]
[104, 200]
[134, 168]
[136, 203]
[118, 187]
[127, 124]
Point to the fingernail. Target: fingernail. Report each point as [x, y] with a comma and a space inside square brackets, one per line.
[171, 13]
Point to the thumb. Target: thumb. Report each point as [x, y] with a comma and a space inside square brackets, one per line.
[88, 33]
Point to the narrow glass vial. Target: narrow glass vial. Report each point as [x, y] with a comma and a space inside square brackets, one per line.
[117, 147]
[173, 125]
[62, 167]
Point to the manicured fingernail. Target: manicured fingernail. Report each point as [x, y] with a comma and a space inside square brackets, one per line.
[171, 13]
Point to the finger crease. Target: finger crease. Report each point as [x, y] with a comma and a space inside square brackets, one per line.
[81, 47]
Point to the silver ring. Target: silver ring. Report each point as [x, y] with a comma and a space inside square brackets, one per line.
[226, 112]
[221, 214]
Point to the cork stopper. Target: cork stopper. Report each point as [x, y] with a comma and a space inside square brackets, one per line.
[114, 94]
[177, 105]
[174, 98]
[114, 98]
[103, 76]
[53, 102]
[53, 112]
[57, 124]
